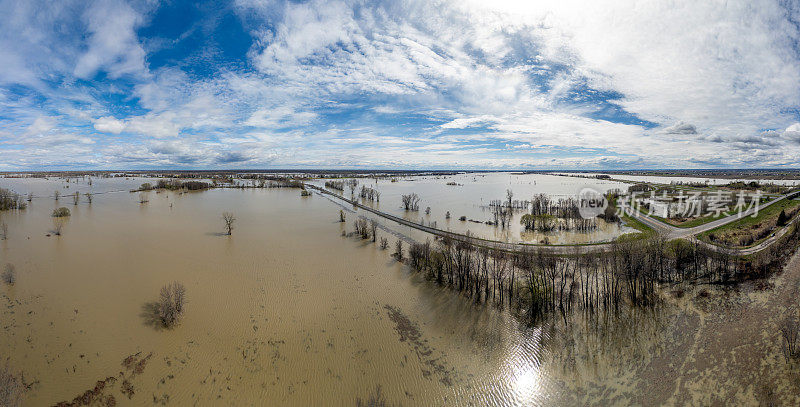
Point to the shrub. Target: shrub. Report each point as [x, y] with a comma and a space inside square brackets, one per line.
[10, 388]
[9, 275]
[171, 304]
[10, 200]
[61, 212]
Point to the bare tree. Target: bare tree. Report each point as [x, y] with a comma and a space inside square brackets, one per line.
[410, 202]
[398, 250]
[9, 275]
[789, 330]
[171, 303]
[58, 225]
[509, 197]
[3, 231]
[10, 388]
[374, 228]
[228, 218]
[341, 215]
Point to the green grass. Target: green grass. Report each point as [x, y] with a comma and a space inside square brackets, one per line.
[644, 231]
[764, 214]
[698, 221]
[695, 221]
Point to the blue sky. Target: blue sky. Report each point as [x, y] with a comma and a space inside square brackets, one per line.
[110, 84]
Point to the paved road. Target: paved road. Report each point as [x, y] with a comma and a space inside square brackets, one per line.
[669, 231]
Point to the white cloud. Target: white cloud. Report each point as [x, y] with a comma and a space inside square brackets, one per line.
[109, 124]
[413, 83]
[112, 44]
[41, 125]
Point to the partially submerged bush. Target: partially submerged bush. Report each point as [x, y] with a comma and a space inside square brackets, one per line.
[61, 212]
[10, 388]
[170, 304]
[9, 275]
[10, 200]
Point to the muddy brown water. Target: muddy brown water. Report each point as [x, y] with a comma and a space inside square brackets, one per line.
[287, 312]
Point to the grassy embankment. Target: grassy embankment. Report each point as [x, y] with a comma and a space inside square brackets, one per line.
[751, 230]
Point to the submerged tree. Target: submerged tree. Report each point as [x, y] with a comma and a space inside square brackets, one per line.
[398, 250]
[228, 218]
[10, 388]
[56, 194]
[790, 328]
[89, 197]
[384, 243]
[61, 212]
[58, 225]
[410, 202]
[171, 304]
[341, 215]
[3, 231]
[9, 275]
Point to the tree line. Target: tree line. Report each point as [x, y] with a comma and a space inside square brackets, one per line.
[537, 283]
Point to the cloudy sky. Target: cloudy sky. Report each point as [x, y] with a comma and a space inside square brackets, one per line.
[111, 84]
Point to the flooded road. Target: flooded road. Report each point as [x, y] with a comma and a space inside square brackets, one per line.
[286, 311]
[469, 195]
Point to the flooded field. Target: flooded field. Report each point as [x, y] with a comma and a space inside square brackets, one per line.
[686, 180]
[286, 311]
[470, 195]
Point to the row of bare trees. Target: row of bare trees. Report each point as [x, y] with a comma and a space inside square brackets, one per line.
[337, 185]
[538, 282]
[366, 229]
[370, 193]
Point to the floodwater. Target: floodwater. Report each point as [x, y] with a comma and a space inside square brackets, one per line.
[685, 180]
[286, 311]
[471, 196]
